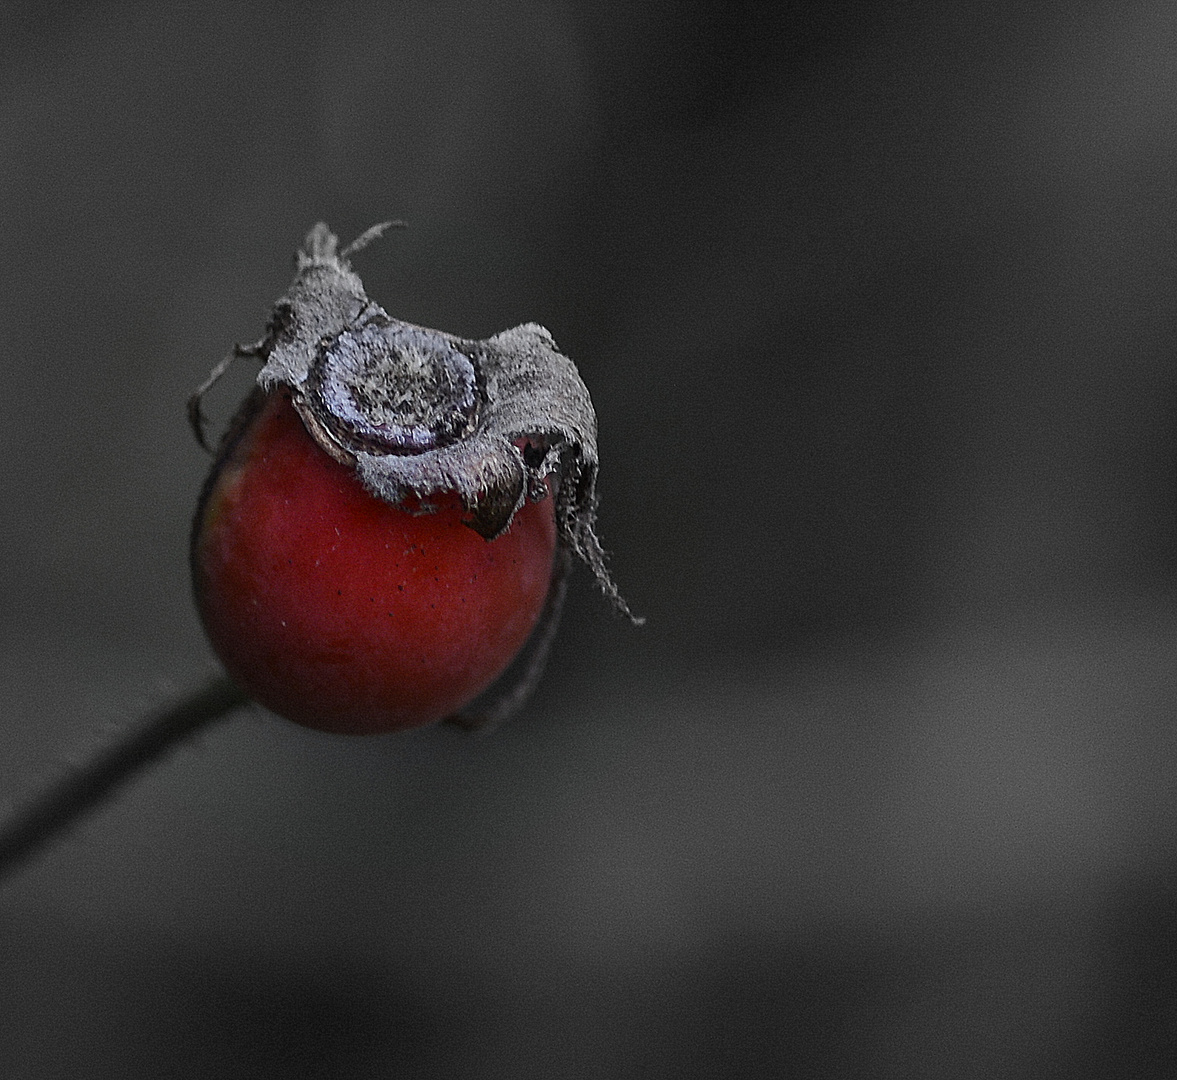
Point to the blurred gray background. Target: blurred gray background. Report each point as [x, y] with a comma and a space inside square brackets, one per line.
[876, 303]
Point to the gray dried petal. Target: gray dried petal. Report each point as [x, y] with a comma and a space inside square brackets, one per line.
[417, 411]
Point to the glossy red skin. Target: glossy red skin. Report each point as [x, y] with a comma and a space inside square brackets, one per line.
[348, 615]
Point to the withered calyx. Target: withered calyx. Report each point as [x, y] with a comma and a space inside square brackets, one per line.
[417, 411]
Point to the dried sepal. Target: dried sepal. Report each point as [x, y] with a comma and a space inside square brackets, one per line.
[417, 411]
[510, 692]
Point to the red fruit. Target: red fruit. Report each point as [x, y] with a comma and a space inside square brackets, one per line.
[343, 612]
[331, 595]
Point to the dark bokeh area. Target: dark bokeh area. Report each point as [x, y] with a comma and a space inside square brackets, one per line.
[876, 306]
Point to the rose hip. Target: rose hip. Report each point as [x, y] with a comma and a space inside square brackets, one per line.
[392, 513]
[343, 613]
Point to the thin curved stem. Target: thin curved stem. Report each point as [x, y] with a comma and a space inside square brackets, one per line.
[505, 697]
[33, 826]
